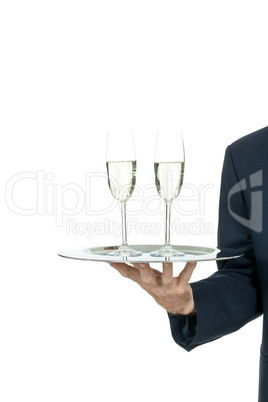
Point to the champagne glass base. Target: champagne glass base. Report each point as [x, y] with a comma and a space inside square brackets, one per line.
[125, 251]
[167, 251]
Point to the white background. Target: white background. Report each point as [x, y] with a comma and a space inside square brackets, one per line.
[70, 72]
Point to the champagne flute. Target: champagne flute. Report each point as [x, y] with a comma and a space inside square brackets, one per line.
[168, 170]
[121, 167]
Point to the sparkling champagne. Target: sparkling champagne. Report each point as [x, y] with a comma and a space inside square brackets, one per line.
[168, 179]
[121, 179]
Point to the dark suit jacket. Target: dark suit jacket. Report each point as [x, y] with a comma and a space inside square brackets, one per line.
[238, 292]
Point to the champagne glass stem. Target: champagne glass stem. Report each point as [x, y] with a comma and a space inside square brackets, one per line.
[167, 226]
[124, 224]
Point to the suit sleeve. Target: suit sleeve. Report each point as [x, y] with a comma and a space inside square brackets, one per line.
[230, 298]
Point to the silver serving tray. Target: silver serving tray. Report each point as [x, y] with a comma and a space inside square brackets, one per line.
[191, 253]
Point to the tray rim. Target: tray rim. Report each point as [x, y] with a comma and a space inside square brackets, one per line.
[89, 256]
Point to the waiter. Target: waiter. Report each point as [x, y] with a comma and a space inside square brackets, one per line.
[237, 293]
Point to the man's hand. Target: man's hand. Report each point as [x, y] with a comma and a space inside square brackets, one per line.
[174, 294]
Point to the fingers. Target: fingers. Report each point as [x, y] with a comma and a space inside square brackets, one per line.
[147, 275]
[167, 275]
[126, 270]
[140, 273]
[143, 274]
[156, 272]
[186, 274]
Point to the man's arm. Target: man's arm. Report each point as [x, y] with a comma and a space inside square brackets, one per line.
[231, 297]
